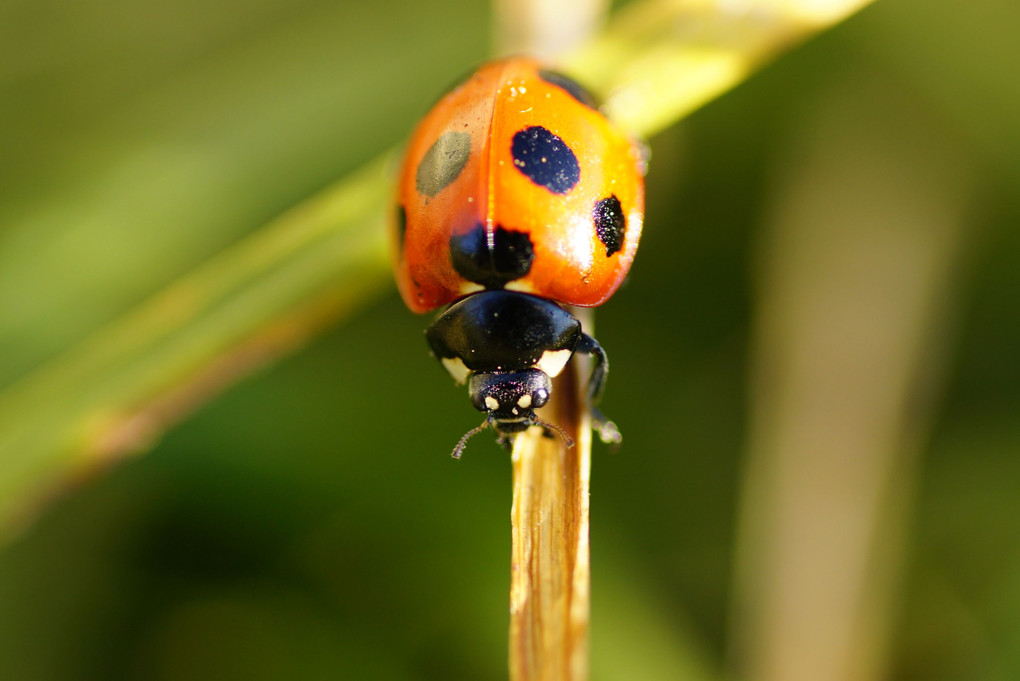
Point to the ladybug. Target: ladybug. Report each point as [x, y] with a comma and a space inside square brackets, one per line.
[517, 196]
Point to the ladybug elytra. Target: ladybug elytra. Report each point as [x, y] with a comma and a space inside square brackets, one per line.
[516, 196]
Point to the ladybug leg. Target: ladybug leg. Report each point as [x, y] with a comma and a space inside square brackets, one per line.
[607, 430]
[600, 366]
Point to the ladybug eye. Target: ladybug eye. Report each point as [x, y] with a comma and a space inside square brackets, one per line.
[538, 398]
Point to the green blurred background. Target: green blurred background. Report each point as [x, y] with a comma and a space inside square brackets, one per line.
[309, 522]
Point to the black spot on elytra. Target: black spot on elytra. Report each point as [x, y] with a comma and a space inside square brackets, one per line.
[572, 87]
[401, 226]
[443, 162]
[545, 159]
[507, 257]
[610, 223]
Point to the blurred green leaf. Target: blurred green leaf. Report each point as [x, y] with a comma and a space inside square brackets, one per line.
[117, 391]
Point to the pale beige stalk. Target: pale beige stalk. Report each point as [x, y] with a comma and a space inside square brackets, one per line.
[549, 579]
[853, 303]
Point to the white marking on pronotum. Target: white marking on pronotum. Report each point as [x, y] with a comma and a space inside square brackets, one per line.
[457, 368]
[491, 403]
[552, 361]
[524, 402]
[469, 287]
[520, 285]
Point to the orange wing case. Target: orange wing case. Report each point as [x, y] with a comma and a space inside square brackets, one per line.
[467, 194]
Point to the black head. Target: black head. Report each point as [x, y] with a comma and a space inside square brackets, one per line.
[509, 398]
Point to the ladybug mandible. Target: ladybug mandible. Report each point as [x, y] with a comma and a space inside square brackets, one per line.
[516, 196]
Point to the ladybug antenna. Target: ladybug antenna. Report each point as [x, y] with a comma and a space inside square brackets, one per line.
[467, 436]
[547, 426]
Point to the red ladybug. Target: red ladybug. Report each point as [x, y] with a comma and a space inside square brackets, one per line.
[516, 196]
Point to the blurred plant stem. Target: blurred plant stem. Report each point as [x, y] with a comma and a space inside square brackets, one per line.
[545, 29]
[859, 262]
[116, 392]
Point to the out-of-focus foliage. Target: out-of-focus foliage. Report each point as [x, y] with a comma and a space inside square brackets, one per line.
[309, 523]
